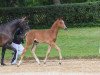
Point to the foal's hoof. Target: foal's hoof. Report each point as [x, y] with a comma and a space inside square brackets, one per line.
[59, 63]
[20, 62]
[44, 62]
[3, 64]
[39, 64]
[17, 65]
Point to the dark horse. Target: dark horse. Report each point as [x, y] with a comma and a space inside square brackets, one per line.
[7, 32]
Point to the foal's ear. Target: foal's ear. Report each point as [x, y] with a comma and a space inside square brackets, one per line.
[60, 18]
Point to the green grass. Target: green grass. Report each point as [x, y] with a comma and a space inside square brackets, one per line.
[74, 43]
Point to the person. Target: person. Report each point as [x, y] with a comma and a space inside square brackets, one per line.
[17, 44]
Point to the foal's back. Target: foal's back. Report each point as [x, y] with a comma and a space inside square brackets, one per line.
[42, 36]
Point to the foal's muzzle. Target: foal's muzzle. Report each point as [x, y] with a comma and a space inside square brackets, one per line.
[65, 28]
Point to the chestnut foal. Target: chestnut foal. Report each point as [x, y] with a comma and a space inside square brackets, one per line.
[49, 36]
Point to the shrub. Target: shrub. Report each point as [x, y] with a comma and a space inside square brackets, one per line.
[44, 16]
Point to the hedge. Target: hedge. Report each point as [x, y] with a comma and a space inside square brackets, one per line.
[43, 16]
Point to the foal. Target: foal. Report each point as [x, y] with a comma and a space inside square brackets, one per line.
[48, 36]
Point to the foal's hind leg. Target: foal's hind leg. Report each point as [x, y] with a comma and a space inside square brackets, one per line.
[33, 51]
[47, 54]
[22, 55]
[59, 51]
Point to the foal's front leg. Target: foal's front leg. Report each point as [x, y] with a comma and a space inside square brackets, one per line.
[33, 51]
[59, 51]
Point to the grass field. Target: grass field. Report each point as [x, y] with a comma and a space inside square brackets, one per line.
[74, 43]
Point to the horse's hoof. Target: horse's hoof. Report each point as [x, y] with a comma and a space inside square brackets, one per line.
[3, 64]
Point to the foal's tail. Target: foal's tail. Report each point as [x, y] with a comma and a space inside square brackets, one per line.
[35, 42]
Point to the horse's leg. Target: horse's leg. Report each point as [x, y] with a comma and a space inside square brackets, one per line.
[33, 51]
[15, 52]
[2, 55]
[47, 54]
[59, 51]
[9, 46]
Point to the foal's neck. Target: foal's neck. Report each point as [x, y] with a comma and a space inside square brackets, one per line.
[55, 28]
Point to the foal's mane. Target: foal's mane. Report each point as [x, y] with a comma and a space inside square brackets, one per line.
[55, 23]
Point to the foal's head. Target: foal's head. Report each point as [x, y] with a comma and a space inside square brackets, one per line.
[61, 24]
